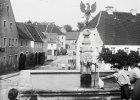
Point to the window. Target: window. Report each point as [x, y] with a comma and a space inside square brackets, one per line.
[16, 42]
[51, 45]
[62, 37]
[9, 42]
[4, 60]
[138, 50]
[16, 58]
[10, 59]
[12, 42]
[126, 50]
[4, 24]
[8, 11]
[113, 50]
[21, 43]
[4, 42]
[10, 25]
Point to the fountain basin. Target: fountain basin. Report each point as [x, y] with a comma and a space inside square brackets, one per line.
[64, 85]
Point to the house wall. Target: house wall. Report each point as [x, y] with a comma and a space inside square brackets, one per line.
[38, 47]
[96, 44]
[71, 46]
[62, 39]
[45, 46]
[24, 46]
[126, 48]
[8, 30]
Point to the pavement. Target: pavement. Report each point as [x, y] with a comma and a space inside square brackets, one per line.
[5, 76]
[14, 73]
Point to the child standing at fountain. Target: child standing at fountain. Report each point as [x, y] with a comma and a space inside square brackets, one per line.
[123, 80]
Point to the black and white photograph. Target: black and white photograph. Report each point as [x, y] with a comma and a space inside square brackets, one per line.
[69, 50]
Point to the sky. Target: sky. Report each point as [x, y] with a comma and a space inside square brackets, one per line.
[64, 12]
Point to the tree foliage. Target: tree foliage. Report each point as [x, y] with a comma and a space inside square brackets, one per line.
[120, 58]
[68, 28]
[134, 57]
[80, 25]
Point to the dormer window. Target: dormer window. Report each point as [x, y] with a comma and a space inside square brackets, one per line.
[109, 10]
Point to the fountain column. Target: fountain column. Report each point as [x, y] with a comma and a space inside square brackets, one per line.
[86, 60]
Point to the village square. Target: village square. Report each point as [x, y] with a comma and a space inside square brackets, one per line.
[99, 60]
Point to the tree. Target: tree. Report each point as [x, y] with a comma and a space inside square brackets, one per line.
[106, 56]
[80, 25]
[29, 22]
[133, 58]
[68, 28]
[120, 58]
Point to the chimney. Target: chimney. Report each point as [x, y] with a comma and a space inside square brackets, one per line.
[109, 10]
[133, 11]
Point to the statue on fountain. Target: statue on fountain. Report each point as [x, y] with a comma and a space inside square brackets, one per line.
[87, 11]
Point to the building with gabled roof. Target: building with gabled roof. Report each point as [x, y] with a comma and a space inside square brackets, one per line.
[52, 28]
[121, 28]
[114, 30]
[24, 39]
[44, 39]
[38, 42]
[54, 36]
[8, 38]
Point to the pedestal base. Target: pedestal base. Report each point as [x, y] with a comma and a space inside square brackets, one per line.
[86, 80]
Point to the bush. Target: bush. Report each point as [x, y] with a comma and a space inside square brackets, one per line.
[106, 56]
[31, 60]
[22, 60]
[63, 51]
[133, 58]
[121, 57]
[41, 58]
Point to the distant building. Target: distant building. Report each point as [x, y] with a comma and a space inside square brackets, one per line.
[8, 38]
[42, 29]
[38, 42]
[52, 28]
[25, 40]
[114, 30]
[71, 41]
[55, 38]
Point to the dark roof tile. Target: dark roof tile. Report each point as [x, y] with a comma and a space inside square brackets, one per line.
[42, 27]
[72, 35]
[34, 33]
[118, 29]
[23, 33]
[52, 28]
